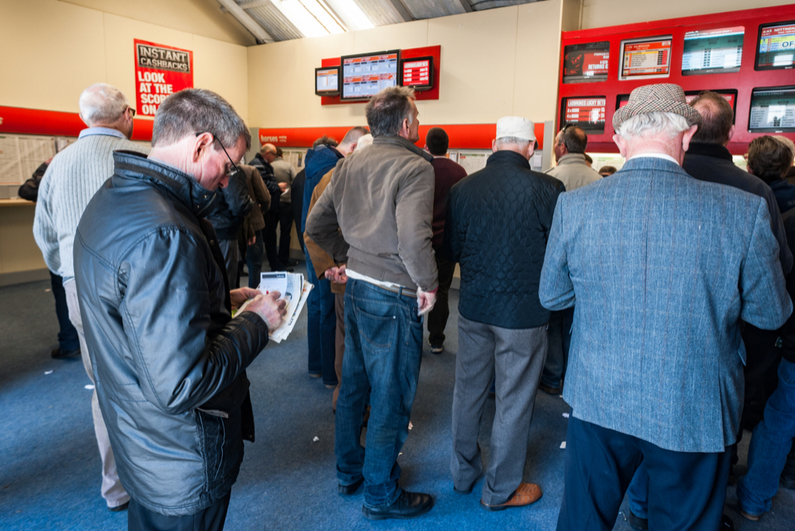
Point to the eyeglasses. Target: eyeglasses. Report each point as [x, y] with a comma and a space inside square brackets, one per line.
[132, 111]
[235, 169]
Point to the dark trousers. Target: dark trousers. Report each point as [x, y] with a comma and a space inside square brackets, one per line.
[254, 261]
[437, 318]
[285, 226]
[67, 334]
[686, 490]
[761, 379]
[321, 327]
[210, 519]
[269, 239]
[559, 340]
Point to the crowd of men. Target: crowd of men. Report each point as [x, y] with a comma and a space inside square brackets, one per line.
[657, 300]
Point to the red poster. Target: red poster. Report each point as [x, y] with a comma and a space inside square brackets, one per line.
[159, 71]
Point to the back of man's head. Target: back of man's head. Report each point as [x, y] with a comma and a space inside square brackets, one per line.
[268, 149]
[386, 111]
[437, 141]
[574, 139]
[717, 116]
[192, 111]
[324, 140]
[768, 158]
[790, 145]
[279, 152]
[351, 140]
[101, 105]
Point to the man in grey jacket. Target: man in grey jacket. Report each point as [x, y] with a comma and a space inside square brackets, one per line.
[382, 201]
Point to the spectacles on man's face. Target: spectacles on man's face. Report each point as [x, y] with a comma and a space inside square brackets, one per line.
[132, 111]
[235, 169]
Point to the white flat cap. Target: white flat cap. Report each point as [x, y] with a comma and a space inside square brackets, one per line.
[517, 127]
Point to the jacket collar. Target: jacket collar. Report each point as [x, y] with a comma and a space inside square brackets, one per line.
[573, 158]
[709, 150]
[400, 141]
[184, 187]
[652, 163]
[507, 156]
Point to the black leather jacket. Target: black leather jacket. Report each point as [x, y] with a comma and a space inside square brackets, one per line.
[168, 359]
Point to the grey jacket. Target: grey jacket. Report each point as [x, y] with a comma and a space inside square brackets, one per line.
[573, 171]
[662, 267]
[382, 199]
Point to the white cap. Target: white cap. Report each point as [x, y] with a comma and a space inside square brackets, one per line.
[517, 127]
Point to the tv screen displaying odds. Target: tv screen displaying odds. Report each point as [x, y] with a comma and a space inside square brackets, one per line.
[646, 58]
[776, 46]
[586, 113]
[772, 110]
[713, 51]
[365, 75]
[586, 62]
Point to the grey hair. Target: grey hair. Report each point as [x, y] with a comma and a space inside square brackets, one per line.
[386, 111]
[101, 104]
[521, 143]
[364, 141]
[787, 142]
[192, 111]
[653, 124]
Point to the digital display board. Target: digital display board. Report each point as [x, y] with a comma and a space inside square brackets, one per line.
[645, 58]
[776, 46]
[586, 113]
[365, 75]
[730, 95]
[586, 62]
[327, 82]
[772, 110]
[713, 51]
[417, 73]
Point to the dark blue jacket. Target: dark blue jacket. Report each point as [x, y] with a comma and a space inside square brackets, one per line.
[318, 162]
[498, 222]
[785, 194]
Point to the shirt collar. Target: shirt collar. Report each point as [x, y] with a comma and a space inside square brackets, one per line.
[656, 156]
[101, 131]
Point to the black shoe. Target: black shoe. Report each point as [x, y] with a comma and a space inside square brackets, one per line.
[291, 263]
[347, 490]
[119, 508]
[727, 524]
[636, 522]
[549, 390]
[59, 354]
[408, 505]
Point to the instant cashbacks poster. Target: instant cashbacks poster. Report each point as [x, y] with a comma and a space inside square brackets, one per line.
[160, 71]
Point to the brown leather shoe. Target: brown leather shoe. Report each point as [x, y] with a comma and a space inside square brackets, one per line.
[526, 494]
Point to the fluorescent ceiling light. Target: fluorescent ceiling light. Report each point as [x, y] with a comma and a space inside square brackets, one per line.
[311, 18]
[351, 14]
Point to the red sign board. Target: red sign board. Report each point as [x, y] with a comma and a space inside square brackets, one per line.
[159, 72]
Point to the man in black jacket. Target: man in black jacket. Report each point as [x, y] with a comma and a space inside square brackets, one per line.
[168, 358]
[262, 161]
[498, 222]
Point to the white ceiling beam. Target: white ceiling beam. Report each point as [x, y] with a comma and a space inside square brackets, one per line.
[402, 10]
[245, 19]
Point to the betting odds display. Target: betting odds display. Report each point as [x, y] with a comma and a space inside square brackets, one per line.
[776, 46]
[417, 73]
[772, 110]
[366, 75]
[326, 80]
[586, 113]
[586, 62]
[646, 58]
[713, 51]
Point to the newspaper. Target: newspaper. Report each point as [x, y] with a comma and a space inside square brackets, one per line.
[294, 289]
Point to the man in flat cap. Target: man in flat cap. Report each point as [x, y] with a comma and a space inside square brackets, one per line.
[502, 325]
[662, 267]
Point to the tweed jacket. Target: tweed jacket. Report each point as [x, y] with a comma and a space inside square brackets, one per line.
[662, 267]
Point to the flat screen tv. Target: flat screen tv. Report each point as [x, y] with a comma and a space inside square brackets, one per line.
[364, 75]
[776, 46]
[417, 73]
[772, 110]
[327, 81]
[587, 113]
[649, 57]
[713, 51]
[586, 62]
[729, 94]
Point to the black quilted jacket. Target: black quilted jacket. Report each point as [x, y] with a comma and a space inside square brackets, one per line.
[498, 222]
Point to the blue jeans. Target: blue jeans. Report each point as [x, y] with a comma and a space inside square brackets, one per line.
[383, 349]
[67, 334]
[638, 493]
[770, 445]
[321, 327]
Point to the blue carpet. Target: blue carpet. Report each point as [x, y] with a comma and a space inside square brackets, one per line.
[50, 467]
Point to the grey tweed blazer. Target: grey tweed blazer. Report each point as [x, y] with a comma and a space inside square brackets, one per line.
[662, 267]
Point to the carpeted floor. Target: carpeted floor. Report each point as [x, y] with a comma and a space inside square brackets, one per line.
[50, 467]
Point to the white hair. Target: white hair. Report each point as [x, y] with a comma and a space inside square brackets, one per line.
[787, 142]
[521, 143]
[101, 104]
[364, 141]
[653, 124]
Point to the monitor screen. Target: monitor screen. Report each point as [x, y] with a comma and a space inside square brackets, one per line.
[365, 75]
[327, 81]
[730, 95]
[776, 48]
[713, 51]
[586, 62]
[645, 58]
[417, 73]
[772, 110]
[586, 113]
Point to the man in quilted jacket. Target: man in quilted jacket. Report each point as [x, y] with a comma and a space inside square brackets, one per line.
[498, 221]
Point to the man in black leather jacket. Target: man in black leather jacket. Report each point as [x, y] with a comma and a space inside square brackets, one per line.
[168, 358]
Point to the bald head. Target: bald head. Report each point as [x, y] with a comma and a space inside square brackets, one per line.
[717, 117]
[268, 152]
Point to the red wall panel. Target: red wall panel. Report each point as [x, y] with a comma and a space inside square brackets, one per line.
[54, 123]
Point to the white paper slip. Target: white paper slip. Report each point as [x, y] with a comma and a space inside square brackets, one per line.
[563, 445]
[566, 415]
[274, 281]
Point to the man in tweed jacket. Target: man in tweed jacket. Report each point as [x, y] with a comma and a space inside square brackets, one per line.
[662, 267]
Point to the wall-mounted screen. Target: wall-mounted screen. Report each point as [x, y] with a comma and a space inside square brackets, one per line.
[417, 73]
[327, 81]
[649, 57]
[586, 62]
[772, 110]
[364, 75]
[776, 46]
[729, 94]
[586, 113]
[713, 51]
